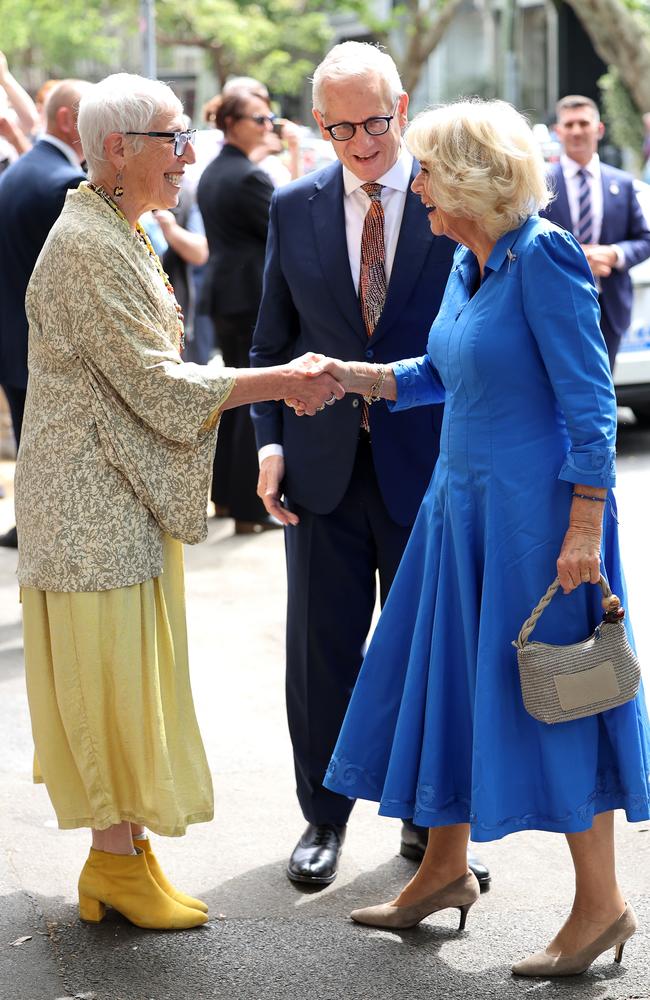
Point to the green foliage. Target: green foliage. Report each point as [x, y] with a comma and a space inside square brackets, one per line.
[56, 35]
[621, 113]
[279, 41]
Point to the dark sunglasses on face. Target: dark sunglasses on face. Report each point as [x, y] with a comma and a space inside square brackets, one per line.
[258, 119]
[180, 139]
[377, 125]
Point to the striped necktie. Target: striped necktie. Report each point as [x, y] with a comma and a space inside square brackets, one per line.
[372, 277]
[584, 230]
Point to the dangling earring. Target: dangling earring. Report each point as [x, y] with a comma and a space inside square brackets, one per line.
[118, 190]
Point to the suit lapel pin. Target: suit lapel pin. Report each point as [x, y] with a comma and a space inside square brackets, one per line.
[614, 188]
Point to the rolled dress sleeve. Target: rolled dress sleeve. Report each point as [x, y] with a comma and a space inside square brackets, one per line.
[418, 384]
[561, 307]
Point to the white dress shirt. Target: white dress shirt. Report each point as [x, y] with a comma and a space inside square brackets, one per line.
[395, 185]
[67, 151]
[570, 170]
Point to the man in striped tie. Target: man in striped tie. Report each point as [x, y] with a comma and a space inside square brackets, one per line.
[352, 271]
[598, 204]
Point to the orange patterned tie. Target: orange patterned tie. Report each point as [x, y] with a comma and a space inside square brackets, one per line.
[372, 278]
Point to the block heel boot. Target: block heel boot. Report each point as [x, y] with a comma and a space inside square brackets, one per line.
[159, 876]
[125, 883]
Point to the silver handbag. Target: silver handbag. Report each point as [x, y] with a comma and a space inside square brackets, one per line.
[561, 683]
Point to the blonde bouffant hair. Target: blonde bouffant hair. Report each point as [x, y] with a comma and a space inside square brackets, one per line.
[483, 163]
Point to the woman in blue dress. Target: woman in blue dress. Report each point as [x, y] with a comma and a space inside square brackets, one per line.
[436, 728]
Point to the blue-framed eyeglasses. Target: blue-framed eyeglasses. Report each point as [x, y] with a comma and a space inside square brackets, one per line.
[180, 139]
[377, 125]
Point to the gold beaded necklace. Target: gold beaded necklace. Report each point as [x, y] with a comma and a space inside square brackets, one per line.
[144, 240]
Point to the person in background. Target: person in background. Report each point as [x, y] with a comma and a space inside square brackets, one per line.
[18, 100]
[599, 205]
[351, 267]
[40, 100]
[184, 261]
[32, 193]
[234, 196]
[112, 477]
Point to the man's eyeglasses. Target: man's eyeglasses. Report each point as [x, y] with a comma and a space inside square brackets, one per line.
[180, 139]
[377, 125]
[258, 119]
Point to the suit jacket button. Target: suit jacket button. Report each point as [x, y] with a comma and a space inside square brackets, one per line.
[355, 402]
[370, 353]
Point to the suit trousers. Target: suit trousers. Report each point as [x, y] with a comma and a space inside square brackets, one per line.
[612, 338]
[332, 563]
[236, 469]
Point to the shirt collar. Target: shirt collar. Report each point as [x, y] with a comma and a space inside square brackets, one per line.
[398, 178]
[67, 151]
[571, 168]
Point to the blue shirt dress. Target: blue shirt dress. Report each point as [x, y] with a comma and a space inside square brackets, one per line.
[436, 728]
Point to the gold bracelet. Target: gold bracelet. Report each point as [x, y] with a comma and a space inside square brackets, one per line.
[374, 395]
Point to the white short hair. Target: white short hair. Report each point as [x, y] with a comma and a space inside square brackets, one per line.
[483, 163]
[122, 102]
[352, 61]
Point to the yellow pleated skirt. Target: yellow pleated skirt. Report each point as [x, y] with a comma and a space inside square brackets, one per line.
[109, 693]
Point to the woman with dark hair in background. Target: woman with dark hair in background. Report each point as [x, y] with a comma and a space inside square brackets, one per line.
[234, 197]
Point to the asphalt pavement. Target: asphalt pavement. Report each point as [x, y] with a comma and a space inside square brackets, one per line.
[266, 938]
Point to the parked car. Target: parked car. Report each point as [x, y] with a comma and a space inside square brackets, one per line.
[632, 368]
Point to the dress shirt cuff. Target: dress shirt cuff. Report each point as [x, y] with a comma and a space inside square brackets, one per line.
[269, 449]
[620, 257]
[595, 467]
[418, 384]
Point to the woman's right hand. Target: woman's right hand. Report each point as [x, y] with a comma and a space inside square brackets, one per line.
[315, 385]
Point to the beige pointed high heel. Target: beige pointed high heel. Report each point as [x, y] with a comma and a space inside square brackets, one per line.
[544, 965]
[459, 894]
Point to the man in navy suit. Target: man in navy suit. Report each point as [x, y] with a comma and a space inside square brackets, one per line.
[32, 192]
[353, 476]
[598, 204]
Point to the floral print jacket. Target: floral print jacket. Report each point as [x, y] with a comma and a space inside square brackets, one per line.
[119, 434]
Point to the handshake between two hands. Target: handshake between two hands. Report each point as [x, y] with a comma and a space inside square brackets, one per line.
[319, 382]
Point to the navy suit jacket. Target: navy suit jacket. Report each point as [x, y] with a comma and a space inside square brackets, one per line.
[32, 192]
[309, 303]
[623, 224]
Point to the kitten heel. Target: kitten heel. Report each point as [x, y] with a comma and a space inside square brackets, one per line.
[464, 910]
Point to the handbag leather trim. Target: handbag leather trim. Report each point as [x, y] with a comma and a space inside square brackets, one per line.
[588, 687]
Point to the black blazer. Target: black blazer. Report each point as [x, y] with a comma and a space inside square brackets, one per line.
[234, 196]
[32, 192]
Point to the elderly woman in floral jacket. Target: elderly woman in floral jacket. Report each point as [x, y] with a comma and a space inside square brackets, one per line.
[113, 474]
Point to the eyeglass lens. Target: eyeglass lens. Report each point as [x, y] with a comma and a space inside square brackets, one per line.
[181, 140]
[373, 126]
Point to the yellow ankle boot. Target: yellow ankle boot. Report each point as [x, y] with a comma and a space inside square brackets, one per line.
[125, 883]
[159, 876]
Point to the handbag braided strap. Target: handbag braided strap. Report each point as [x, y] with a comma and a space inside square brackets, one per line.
[530, 623]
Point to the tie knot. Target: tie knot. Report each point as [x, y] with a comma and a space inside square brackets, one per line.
[584, 174]
[373, 190]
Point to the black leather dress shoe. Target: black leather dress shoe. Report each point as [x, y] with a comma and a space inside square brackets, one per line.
[10, 539]
[413, 846]
[315, 857]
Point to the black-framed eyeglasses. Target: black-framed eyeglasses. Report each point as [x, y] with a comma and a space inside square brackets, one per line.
[258, 119]
[377, 125]
[180, 139]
